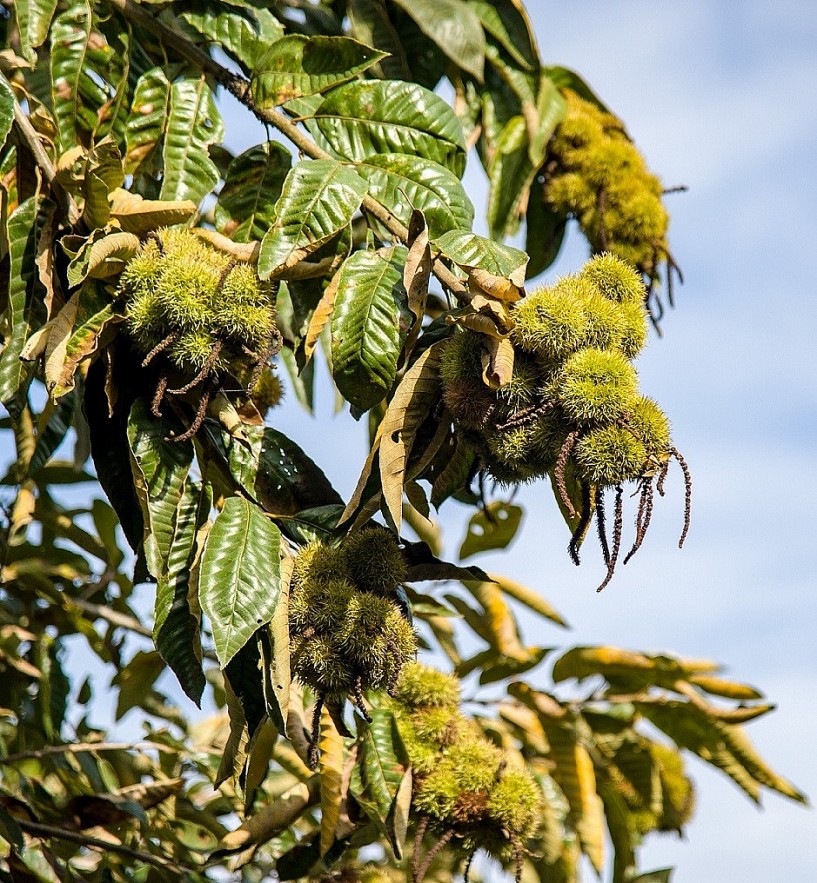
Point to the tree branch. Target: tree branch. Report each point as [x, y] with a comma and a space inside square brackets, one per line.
[32, 140]
[239, 87]
[76, 747]
[42, 831]
[121, 620]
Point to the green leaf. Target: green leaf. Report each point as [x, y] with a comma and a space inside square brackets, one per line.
[70, 35]
[175, 626]
[366, 329]
[370, 23]
[544, 231]
[389, 116]
[26, 310]
[454, 27]
[491, 528]
[663, 875]
[510, 174]
[470, 250]
[111, 62]
[160, 470]
[6, 109]
[404, 183]
[507, 22]
[239, 581]
[33, 21]
[193, 123]
[296, 66]
[381, 767]
[277, 472]
[246, 205]
[319, 198]
[52, 436]
[145, 125]
[564, 78]
[103, 173]
[9, 829]
[243, 32]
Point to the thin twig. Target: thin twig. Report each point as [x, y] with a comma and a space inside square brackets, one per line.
[435, 850]
[158, 395]
[422, 826]
[239, 87]
[29, 134]
[120, 620]
[198, 419]
[206, 368]
[601, 524]
[360, 703]
[39, 830]
[316, 732]
[77, 747]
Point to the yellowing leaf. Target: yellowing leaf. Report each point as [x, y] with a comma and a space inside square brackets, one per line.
[414, 398]
[274, 818]
[321, 315]
[259, 753]
[330, 769]
[499, 287]
[140, 216]
[528, 597]
[281, 676]
[576, 777]
[499, 620]
[728, 689]
[497, 362]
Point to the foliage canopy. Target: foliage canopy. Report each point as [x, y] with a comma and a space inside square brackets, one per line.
[153, 288]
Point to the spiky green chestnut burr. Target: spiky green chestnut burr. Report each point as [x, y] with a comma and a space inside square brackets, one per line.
[596, 386]
[515, 801]
[599, 177]
[650, 425]
[553, 322]
[200, 313]
[317, 562]
[420, 685]
[466, 396]
[374, 560]
[615, 279]
[268, 391]
[610, 455]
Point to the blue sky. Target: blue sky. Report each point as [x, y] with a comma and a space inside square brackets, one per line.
[721, 97]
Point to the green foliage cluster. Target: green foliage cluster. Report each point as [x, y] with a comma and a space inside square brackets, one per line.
[147, 277]
[597, 175]
[348, 631]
